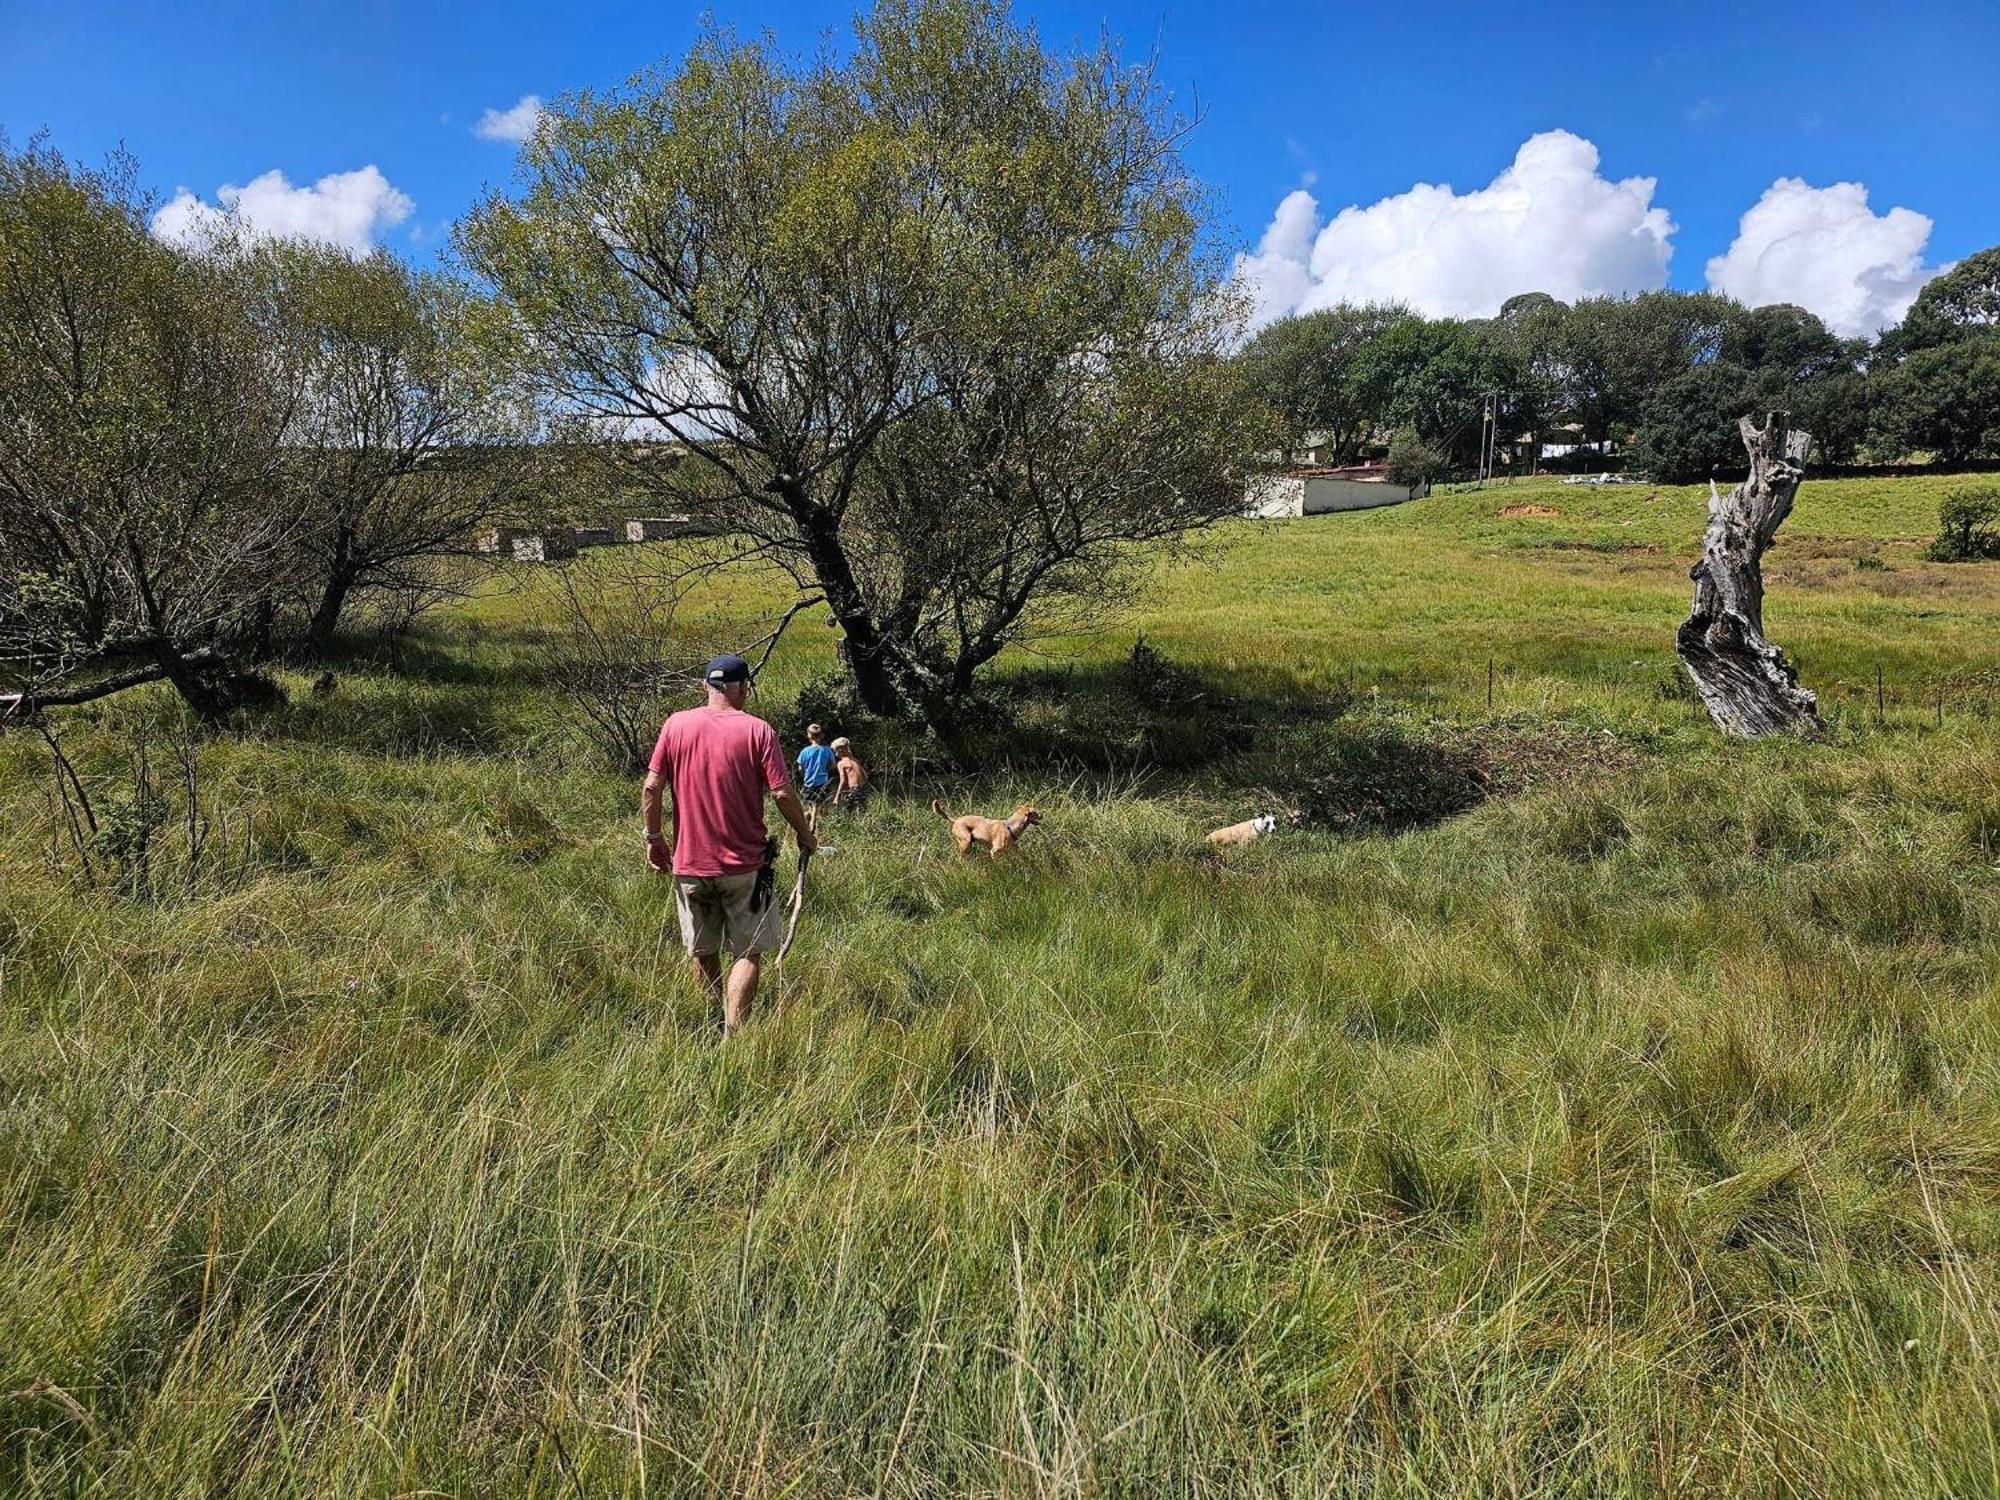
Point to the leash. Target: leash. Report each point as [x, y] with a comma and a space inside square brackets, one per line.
[798, 905]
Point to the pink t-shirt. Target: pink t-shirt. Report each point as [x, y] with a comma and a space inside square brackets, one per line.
[718, 762]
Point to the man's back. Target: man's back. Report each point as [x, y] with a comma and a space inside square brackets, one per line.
[719, 762]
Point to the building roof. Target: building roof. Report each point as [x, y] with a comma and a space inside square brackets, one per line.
[1351, 471]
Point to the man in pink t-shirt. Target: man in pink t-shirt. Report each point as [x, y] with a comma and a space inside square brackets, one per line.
[720, 761]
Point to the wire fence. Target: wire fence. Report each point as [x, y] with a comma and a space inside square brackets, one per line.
[1882, 698]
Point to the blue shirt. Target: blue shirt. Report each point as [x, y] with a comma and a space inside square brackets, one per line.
[815, 765]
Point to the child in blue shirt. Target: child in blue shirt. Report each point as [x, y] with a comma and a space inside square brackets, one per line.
[817, 776]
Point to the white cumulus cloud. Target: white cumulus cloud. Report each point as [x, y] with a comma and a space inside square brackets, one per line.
[1548, 223]
[514, 124]
[345, 209]
[1826, 251]
[1276, 276]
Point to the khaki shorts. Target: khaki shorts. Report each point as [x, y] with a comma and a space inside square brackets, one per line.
[715, 913]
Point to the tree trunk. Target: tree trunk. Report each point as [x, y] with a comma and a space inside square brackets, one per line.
[1745, 682]
[262, 635]
[213, 685]
[870, 656]
[326, 618]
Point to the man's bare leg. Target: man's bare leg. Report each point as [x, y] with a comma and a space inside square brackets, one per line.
[708, 969]
[742, 993]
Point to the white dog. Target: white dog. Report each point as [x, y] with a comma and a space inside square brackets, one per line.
[1249, 832]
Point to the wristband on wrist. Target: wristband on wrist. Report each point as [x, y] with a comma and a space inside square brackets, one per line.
[655, 838]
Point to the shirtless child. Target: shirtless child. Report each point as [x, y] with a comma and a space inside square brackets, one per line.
[852, 789]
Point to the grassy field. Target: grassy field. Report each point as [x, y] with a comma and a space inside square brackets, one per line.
[1633, 1130]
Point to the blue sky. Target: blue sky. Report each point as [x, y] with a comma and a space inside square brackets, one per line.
[1354, 104]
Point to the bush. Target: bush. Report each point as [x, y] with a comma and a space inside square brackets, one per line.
[612, 653]
[1968, 526]
[1147, 711]
[832, 702]
[1373, 779]
[1412, 460]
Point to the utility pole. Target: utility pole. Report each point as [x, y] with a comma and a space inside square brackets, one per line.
[1489, 434]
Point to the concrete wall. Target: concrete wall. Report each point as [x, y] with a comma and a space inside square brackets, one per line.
[1323, 494]
[499, 538]
[1275, 496]
[1281, 495]
[552, 546]
[655, 528]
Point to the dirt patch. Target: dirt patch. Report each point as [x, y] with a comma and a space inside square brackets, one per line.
[1516, 512]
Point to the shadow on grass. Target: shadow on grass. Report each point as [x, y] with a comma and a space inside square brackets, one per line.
[1277, 745]
[399, 718]
[443, 658]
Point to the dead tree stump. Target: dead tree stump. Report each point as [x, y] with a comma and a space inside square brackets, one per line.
[1748, 686]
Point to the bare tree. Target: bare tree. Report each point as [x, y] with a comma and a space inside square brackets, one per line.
[1748, 686]
[142, 509]
[611, 648]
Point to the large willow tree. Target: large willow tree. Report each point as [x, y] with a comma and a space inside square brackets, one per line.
[145, 514]
[402, 440]
[931, 318]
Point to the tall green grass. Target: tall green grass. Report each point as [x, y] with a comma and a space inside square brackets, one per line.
[1634, 1133]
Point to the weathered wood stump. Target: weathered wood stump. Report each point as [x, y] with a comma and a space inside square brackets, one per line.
[1745, 682]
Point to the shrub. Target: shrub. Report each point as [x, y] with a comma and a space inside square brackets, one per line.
[1145, 711]
[1968, 526]
[613, 655]
[1412, 460]
[1373, 779]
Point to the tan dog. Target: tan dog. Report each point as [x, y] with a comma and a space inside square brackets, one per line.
[995, 833]
[1238, 834]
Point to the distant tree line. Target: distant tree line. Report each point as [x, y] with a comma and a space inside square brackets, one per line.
[1663, 376]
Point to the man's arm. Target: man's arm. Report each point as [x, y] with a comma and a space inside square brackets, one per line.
[795, 814]
[657, 851]
[771, 760]
[649, 803]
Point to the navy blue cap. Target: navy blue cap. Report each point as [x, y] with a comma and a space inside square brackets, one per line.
[725, 670]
